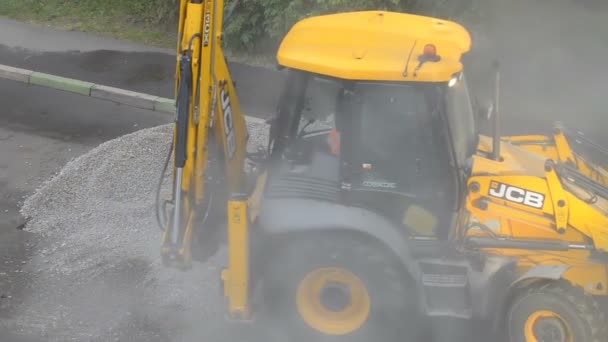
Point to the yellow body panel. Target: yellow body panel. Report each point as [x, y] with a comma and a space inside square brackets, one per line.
[374, 45]
[562, 216]
[213, 108]
[190, 25]
[236, 276]
[516, 161]
[589, 275]
[518, 196]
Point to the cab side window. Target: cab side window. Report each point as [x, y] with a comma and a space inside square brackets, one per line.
[397, 134]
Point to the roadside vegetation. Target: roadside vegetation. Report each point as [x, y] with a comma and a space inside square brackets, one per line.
[143, 21]
[254, 29]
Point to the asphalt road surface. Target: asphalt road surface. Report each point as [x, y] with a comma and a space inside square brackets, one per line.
[553, 69]
[42, 129]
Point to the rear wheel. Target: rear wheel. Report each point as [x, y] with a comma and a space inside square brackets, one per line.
[555, 313]
[211, 222]
[337, 288]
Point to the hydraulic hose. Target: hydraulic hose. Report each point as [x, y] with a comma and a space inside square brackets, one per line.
[183, 107]
[180, 137]
[161, 221]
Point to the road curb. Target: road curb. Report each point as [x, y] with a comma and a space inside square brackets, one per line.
[123, 96]
[162, 104]
[99, 91]
[15, 74]
[60, 83]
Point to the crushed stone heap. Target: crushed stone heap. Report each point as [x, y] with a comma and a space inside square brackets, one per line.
[96, 271]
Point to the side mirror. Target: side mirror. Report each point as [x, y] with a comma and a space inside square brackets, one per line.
[483, 111]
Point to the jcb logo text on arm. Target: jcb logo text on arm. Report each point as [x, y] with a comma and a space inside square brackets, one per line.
[517, 195]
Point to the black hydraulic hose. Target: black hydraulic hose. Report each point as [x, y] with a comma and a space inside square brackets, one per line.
[581, 180]
[180, 138]
[183, 107]
[159, 221]
[583, 140]
[496, 117]
[483, 242]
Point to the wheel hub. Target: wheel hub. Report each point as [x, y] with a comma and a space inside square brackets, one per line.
[335, 296]
[333, 301]
[551, 330]
[547, 326]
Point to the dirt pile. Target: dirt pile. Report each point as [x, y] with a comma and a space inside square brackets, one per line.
[97, 273]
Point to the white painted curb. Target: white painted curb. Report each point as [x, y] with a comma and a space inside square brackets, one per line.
[116, 95]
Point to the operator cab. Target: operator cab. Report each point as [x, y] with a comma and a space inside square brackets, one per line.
[395, 146]
[392, 134]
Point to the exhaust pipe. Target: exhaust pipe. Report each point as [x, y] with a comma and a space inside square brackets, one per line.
[496, 121]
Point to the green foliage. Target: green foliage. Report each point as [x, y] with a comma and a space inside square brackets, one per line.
[145, 21]
[143, 11]
[259, 25]
[255, 28]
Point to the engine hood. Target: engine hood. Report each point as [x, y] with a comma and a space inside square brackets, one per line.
[514, 160]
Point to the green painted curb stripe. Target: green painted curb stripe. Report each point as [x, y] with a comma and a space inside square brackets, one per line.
[164, 105]
[61, 83]
[98, 91]
[117, 95]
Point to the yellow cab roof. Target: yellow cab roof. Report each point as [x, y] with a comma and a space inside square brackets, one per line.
[374, 46]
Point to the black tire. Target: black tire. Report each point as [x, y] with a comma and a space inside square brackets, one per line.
[392, 295]
[579, 311]
[211, 223]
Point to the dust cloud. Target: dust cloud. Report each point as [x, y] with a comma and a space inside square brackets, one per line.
[98, 276]
[551, 54]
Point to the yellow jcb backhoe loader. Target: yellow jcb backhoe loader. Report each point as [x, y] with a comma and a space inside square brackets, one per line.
[378, 203]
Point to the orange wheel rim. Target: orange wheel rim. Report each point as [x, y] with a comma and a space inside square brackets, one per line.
[349, 310]
[547, 326]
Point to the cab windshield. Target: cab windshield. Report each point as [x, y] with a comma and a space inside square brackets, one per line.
[392, 115]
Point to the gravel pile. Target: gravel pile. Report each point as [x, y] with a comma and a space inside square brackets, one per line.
[96, 274]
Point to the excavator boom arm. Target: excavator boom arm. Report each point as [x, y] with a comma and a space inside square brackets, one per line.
[207, 108]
